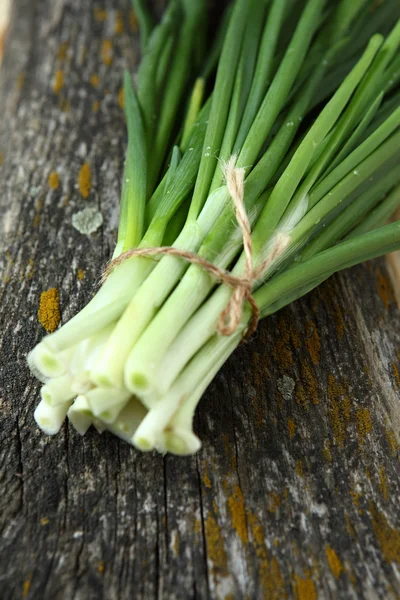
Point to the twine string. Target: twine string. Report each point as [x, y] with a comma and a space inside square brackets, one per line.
[231, 317]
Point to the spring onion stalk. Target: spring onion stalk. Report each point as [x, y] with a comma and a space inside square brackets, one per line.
[143, 361]
[133, 197]
[302, 101]
[193, 111]
[177, 80]
[344, 222]
[50, 418]
[80, 415]
[263, 69]
[58, 390]
[148, 75]
[215, 243]
[380, 214]
[145, 20]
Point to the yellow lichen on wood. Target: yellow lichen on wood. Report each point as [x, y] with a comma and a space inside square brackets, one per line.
[215, 544]
[304, 588]
[349, 526]
[30, 269]
[2, 158]
[299, 468]
[175, 542]
[85, 180]
[334, 562]
[392, 441]
[312, 342]
[388, 538]
[100, 14]
[350, 574]
[49, 309]
[133, 21]
[44, 521]
[20, 81]
[385, 289]
[101, 567]
[107, 52]
[64, 104]
[10, 264]
[119, 26]
[206, 480]
[301, 396]
[291, 428]
[396, 374]
[62, 51]
[339, 410]
[393, 268]
[95, 106]
[364, 424]
[81, 274]
[269, 572]
[94, 80]
[274, 501]
[308, 388]
[121, 98]
[327, 451]
[311, 380]
[238, 514]
[197, 526]
[356, 500]
[288, 336]
[58, 82]
[26, 586]
[278, 583]
[40, 203]
[53, 180]
[383, 484]
[294, 334]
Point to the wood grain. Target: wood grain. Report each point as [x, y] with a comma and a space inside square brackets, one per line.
[295, 492]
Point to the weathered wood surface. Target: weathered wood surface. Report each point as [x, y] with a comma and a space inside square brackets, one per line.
[295, 492]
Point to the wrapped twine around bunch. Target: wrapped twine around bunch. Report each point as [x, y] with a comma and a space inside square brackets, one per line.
[231, 316]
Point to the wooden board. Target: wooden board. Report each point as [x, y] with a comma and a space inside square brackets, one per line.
[295, 492]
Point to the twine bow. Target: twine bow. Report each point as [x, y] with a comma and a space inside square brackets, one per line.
[231, 317]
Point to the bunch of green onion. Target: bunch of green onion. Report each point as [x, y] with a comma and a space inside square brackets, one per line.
[305, 96]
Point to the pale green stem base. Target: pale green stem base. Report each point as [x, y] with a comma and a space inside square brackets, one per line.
[144, 305]
[151, 432]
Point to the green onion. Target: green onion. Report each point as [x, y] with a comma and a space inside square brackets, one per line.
[145, 19]
[193, 111]
[133, 198]
[302, 100]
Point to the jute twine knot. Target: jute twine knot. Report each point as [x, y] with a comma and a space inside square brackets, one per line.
[231, 317]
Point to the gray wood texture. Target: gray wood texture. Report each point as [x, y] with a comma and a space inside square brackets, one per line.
[295, 493]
